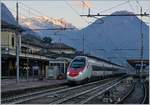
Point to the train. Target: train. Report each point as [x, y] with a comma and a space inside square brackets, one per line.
[88, 68]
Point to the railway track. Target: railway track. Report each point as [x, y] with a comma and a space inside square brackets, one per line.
[137, 95]
[54, 97]
[83, 97]
[67, 94]
[28, 96]
[51, 93]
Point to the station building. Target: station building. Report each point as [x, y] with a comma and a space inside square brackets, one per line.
[37, 59]
[33, 55]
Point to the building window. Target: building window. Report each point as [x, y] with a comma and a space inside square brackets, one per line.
[12, 41]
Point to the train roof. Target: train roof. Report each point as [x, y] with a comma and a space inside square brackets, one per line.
[100, 59]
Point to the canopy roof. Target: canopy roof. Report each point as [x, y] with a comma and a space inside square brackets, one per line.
[136, 63]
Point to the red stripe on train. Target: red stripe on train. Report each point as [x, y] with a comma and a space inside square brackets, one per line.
[73, 72]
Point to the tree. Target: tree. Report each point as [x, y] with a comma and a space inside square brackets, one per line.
[47, 40]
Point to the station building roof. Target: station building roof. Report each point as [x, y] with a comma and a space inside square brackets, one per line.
[136, 63]
[59, 46]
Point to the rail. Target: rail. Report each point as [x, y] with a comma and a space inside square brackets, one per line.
[145, 94]
[31, 96]
[142, 101]
[106, 85]
[129, 92]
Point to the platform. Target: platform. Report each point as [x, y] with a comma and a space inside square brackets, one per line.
[9, 86]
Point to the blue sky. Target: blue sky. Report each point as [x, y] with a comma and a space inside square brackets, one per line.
[70, 10]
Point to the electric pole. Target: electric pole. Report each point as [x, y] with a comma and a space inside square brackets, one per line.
[142, 47]
[17, 44]
[83, 43]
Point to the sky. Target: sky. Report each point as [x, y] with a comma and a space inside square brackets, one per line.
[70, 10]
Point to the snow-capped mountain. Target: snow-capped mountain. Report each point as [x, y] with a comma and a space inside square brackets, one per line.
[44, 22]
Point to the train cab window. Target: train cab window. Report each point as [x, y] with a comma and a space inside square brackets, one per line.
[78, 63]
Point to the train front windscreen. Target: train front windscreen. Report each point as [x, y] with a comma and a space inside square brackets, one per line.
[78, 63]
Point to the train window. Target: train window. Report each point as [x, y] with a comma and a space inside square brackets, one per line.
[78, 63]
[96, 68]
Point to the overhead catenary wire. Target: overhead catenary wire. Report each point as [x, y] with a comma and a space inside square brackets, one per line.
[94, 30]
[111, 42]
[86, 21]
[77, 13]
[91, 15]
[130, 5]
[115, 6]
[38, 12]
[114, 15]
[31, 8]
[138, 3]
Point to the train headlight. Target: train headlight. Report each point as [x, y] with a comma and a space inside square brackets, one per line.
[80, 73]
[67, 73]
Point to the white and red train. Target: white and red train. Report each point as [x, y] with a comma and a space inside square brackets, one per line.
[83, 68]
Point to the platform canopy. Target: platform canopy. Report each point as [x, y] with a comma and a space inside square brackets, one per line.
[136, 63]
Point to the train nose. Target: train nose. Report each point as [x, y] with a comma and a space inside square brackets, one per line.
[73, 74]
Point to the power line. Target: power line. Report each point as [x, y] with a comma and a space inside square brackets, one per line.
[115, 6]
[41, 13]
[99, 15]
[130, 49]
[27, 11]
[86, 21]
[19, 12]
[130, 5]
[138, 3]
